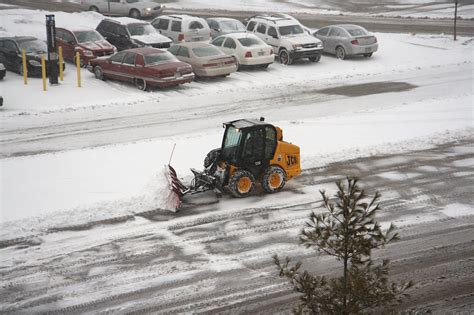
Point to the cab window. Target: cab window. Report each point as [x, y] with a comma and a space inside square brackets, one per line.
[272, 32]
[183, 52]
[218, 41]
[174, 49]
[118, 57]
[251, 26]
[323, 31]
[129, 59]
[161, 24]
[262, 28]
[195, 25]
[230, 43]
[176, 26]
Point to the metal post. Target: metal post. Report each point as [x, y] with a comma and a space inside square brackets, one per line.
[52, 51]
[61, 70]
[25, 68]
[78, 66]
[455, 16]
[108, 2]
[43, 71]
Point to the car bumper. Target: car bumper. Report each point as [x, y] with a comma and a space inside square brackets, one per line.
[170, 81]
[362, 49]
[306, 53]
[215, 72]
[256, 61]
[151, 13]
[35, 71]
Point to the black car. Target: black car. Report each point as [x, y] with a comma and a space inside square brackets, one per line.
[11, 50]
[3, 71]
[126, 33]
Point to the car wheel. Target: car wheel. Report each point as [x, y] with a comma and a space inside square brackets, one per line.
[140, 84]
[94, 8]
[274, 179]
[285, 57]
[210, 162]
[241, 184]
[134, 13]
[315, 58]
[368, 55]
[99, 74]
[340, 53]
[237, 63]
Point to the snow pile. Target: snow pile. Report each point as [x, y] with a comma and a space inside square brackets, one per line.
[158, 195]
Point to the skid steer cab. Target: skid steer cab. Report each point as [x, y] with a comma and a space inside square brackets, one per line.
[252, 153]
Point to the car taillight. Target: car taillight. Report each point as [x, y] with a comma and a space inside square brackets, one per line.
[248, 54]
[355, 42]
[210, 65]
[230, 62]
[180, 37]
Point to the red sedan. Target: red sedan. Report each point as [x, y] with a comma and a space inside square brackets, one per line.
[144, 67]
[89, 43]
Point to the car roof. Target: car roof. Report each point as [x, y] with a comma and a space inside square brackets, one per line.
[238, 35]
[19, 38]
[194, 44]
[219, 19]
[146, 50]
[246, 123]
[278, 21]
[347, 26]
[181, 17]
[125, 20]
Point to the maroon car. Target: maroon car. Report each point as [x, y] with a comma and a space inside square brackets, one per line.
[144, 67]
[88, 42]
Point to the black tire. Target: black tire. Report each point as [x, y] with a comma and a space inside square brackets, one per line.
[285, 57]
[237, 63]
[271, 174]
[315, 58]
[340, 53]
[134, 13]
[241, 184]
[368, 55]
[265, 66]
[94, 8]
[140, 84]
[211, 158]
[99, 74]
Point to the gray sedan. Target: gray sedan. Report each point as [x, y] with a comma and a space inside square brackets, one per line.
[347, 40]
[223, 26]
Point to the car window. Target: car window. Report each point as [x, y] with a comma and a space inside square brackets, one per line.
[290, 30]
[183, 52]
[32, 45]
[250, 41]
[230, 43]
[161, 24]
[357, 32]
[207, 51]
[336, 32]
[176, 26]
[118, 57]
[262, 28]
[272, 31]
[120, 30]
[251, 26]
[140, 29]
[195, 25]
[88, 36]
[174, 49]
[323, 31]
[59, 34]
[10, 46]
[132, 1]
[68, 38]
[218, 41]
[232, 25]
[116, 1]
[159, 57]
[212, 24]
[129, 59]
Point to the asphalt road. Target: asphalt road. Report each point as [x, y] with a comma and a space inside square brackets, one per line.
[375, 24]
[208, 260]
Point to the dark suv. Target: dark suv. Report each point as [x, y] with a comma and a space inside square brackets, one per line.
[126, 33]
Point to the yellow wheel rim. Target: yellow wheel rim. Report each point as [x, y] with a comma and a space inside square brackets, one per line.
[274, 180]
[244, 184]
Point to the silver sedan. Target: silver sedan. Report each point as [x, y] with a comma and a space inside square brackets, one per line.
[347, 40]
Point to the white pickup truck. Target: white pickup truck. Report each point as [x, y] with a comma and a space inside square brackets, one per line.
[133, 8]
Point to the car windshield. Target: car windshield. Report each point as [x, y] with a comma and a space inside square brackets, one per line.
[33, 45]
[207, 51]
[357, 32]
[158, 58]
[87, 36]
[290, 30]
[141, 29]
[231, 143]
[232, 26]
[250, 41]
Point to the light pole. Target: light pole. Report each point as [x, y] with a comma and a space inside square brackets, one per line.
[455, 16]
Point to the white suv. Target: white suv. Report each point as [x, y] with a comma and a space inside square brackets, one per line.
[287, 37]
[133, 8]
[182, 28]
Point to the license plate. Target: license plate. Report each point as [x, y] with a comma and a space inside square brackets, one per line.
[260, 53]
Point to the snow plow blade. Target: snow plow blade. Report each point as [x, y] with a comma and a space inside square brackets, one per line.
[177, 188]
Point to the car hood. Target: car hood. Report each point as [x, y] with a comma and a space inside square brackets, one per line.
[152, 39]
[302, 39]
[99, 45]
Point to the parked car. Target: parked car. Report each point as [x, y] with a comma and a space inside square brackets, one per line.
[206, 59]
[144, 67]
[247, 49]
[3, 71]
[222, 26]
[126, 33]
[11, 54]
[88, 42]
[287, 37]
[347, 40]
[133, 8]
[182, 28]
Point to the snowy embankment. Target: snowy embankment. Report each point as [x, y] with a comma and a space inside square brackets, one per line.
[80, 186]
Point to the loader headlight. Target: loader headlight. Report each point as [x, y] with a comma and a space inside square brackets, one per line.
[34, 63]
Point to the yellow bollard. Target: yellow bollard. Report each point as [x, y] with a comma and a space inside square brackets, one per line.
[78, 65]
[43, 72]
[61, 63]
[25, 68]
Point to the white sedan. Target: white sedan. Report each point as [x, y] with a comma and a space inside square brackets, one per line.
[133, 8]
[247, 49]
